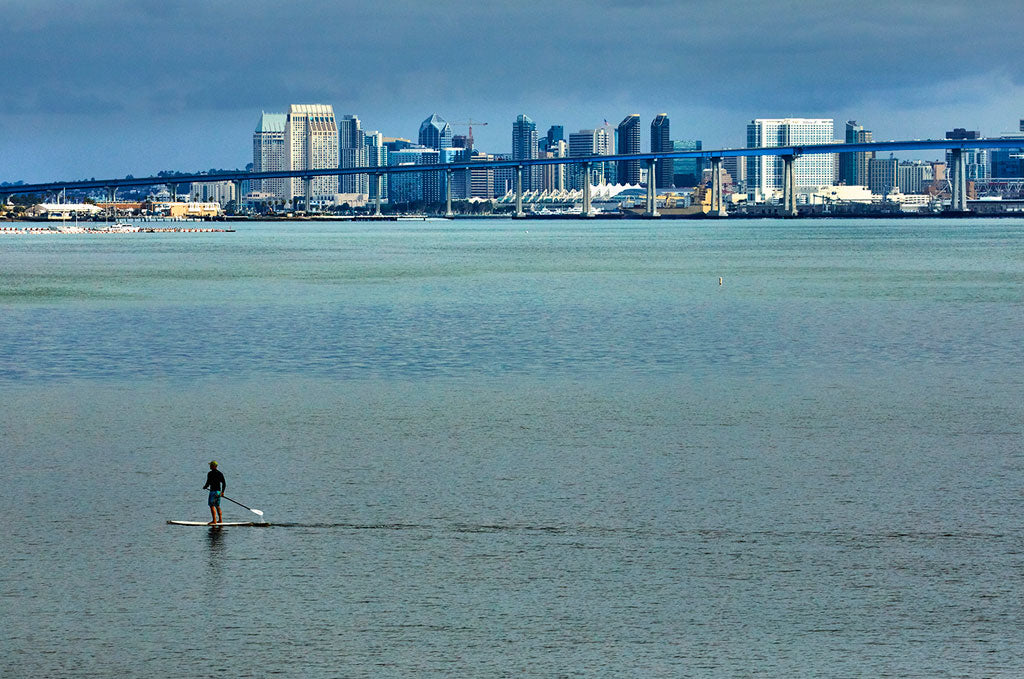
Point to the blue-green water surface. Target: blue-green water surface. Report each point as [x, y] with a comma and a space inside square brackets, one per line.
[516, 449]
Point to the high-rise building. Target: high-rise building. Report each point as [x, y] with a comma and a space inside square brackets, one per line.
[764, 173]
[311, 138]
[661, 141]
[352, 153]
[552, 177]
[524, 147]
[435, 133]
[627, 140]
[504, 177]
[853, 167]
[459, 177]
[414, 187]
[687, 172]
[596, 142]
[736, 167]
[914, 176]
[376, 156]
[269, 154]
[975, 160]
[1008, 163]
[482, 179]
[882, 175]
[556, 133]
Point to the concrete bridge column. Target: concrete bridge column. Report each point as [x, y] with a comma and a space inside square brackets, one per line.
[448, 195]
[238, 196]
[788, 188]
[519, 191]
[586, 191]
[308, 185]
[652, 188]
[717, 193]
[111, 198]
[380, 189]
[959, 181]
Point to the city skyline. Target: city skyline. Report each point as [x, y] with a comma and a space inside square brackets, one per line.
[186, 83]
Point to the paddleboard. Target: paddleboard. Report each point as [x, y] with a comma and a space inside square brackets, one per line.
[216, 525]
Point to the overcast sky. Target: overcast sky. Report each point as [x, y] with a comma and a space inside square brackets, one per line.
[103, 88]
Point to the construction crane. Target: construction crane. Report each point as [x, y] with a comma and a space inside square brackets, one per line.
[469, 123]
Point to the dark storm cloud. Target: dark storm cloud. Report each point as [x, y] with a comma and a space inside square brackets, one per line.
[241, 54]
[574, 62]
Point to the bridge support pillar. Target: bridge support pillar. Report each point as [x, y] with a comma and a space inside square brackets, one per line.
[519, 192]
[308, 186]
[586, 191]
[717, 193]
[788, 188]
[959, 181]
[238, 196]
[111, 199]
[652, 189]
[448, 195]
[380, 190]
[174, 192]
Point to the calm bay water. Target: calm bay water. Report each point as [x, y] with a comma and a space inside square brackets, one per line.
[503, 449]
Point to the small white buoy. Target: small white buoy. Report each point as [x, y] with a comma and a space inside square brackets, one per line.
[719, 280]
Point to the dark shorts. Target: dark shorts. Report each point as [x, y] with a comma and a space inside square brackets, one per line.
[215, 498]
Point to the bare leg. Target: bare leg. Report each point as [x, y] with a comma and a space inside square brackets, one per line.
[220, 518]
[213, 515]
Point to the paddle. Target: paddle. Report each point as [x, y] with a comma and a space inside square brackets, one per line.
[254, 511]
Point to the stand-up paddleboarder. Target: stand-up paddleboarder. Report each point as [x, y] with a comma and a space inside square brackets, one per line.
[216, 484]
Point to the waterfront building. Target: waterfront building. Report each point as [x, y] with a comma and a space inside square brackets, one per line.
[764, 173]
[1008, 163]
[882, 176]
[435, 133]
[687, 172]
[661, 141]
[596, 142]
[627, 140]
[269, 154]
[311, 139]
[524, 147]
[352, 153]
[853, 167]
[975, 160]
[221, 193]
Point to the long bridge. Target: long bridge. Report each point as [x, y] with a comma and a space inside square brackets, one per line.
[787, 153]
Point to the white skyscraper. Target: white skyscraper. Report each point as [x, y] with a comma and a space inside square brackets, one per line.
[764, 173]
[269, 154]
[311, 138]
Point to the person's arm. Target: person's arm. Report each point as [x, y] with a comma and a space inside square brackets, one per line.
[207, 486]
